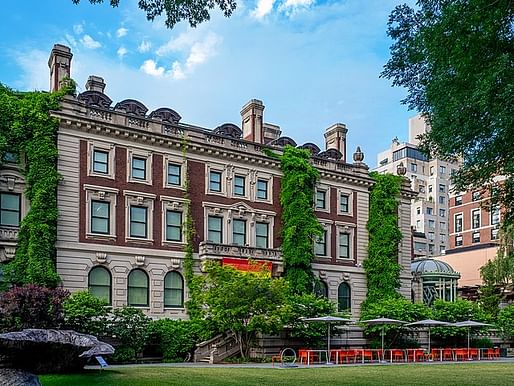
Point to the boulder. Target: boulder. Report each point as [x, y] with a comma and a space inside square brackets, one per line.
[50, 351]
[12, 377]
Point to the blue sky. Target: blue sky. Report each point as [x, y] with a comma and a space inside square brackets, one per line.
[312, 63]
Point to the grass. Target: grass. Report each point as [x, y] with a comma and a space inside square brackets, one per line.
[432, 375]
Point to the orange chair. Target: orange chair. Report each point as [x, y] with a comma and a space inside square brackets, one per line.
[493, 353]
[302, 355]
[473, 353]
[346, 355]
[397, 355]
[367, 354]
[461, 354]
[415, 355]
[447, 354]
[436, 354]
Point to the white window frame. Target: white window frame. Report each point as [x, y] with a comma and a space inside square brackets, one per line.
[239, 172]
[455, 216]
[223, 179]
[175, 160]
[326, 190]
[351, 196]
[177, 205]
[104, 147]
[327, 226]
[138, 153]
[473, 212]
[104, 194]
[350, 230]
[140, 199]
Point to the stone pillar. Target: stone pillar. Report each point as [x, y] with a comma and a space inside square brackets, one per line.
[335, 138]
[60, 65]
[252, 121]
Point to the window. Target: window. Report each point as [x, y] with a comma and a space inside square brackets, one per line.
[475, 219]
[442, 200]
[431, 170]
[458, 241]
[138, 222]
[442, 169]
[442, 237]
[475, 196]
[418, 225]
[321, 199]
[214, 181]
[442, 188]
[99, 283]
[441, 248]
[430, 188]
[174, 172]
[261, 235]
[494, 233]
[458, 223]
[495, 216]
[100, 217]
[420, 246]
[10, 157]
[262, 189]
[343, 203]
[431, 224]
[320, 288]
[137, 289]
[475, 237]
[421, 189]
[173, 290]
[100, 162]
[442, 212]
[430, 248]
[442, 225]
[239, 232]
[320, 245]
[10, 213]
[138, 168]
[344, 245]
[418, 210]
[431, 236]
[344, 298]
[458, 200]
[413, 167]
[239, 185]
[173, 225]
[430, 211]
[215, 229]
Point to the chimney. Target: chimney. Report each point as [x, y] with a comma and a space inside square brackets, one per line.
[271, 132]
[335, 138]
[60, 65]
[252, 121]
[95, 83]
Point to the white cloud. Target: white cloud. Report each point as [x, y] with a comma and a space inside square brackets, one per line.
[144, 46]
[89, 42]
[71, 40]
[201, 51]
[34, 70]
[263, 8]
[122, 51]
[291, 7]
[184, 40]
[78, 29]
[122, 31]
[176, 71]
[150, 67]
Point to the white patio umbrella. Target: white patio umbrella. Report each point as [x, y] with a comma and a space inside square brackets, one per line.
[428, 323]
[383, 322]
[328, 320]
[469, 324]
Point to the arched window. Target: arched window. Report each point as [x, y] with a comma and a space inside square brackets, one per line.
[137, 295]
[344, 298]
[99, 283]
[320, 288]
[173, 290]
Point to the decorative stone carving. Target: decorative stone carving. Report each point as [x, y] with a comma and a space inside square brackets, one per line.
[229, 130]
[165, 114]
[401, 170]
[101, 257]
[314, 149]
[12, 377]
[358, 156]
[50, 351]
[95, 99]
[282, 142]
[9, 253]
[331, 154]
[140, 260]
[175, 263]
[132, 107]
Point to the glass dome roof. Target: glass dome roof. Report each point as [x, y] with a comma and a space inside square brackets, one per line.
[432, 267]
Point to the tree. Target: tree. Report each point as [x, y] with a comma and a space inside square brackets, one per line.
[455, 58]
[194, 11]
[244, 303]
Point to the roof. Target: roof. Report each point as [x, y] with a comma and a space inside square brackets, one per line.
[433, 268]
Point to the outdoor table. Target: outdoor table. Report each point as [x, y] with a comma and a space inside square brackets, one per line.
[319, 352]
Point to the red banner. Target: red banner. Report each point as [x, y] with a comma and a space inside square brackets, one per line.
[248, 265]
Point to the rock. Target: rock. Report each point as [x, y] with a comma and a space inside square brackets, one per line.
[12, 377]
[50, 351]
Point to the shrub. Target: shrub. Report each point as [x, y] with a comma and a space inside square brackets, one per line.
[86, 313]
[505, 321]
[129, 326]
[32, 306]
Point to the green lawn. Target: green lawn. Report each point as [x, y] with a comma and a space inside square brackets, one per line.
[484, 374]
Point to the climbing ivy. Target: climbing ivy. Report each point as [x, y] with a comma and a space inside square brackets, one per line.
[28, 131]
[299, 223]
[382, 267]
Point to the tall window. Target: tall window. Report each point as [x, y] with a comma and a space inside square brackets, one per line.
[214, 229]
[320, 288]
[173, 290]
[239, 232]
[320, 245]
[137, 290]
[344, 245]
[458, 222]
[100, 162]
[99, 283]
[430, 210]
[442, 169]
[239, 185]
[173, 225]
[458, 200]
[261, 235]
[174, 174]
[138, 222]
[343, 203]
[431, 224]
[344, 298]
[100, 217]
[262, 189]
[138, 168]
[214, 181]
[413, 167]
[442, 199]
[442, 188]
[10, 213]
[475, 218]
[494, 233]
[321, 202]
[442, 212]
[495, 216]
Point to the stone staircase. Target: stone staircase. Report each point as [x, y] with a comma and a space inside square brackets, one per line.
[216, 349]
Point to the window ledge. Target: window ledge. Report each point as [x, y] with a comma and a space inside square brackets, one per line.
[98, 236]
[138, 240]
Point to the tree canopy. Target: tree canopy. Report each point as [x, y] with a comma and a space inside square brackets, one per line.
[194, 11]
[456, 60]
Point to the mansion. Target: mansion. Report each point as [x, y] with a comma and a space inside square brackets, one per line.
[122, 200]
